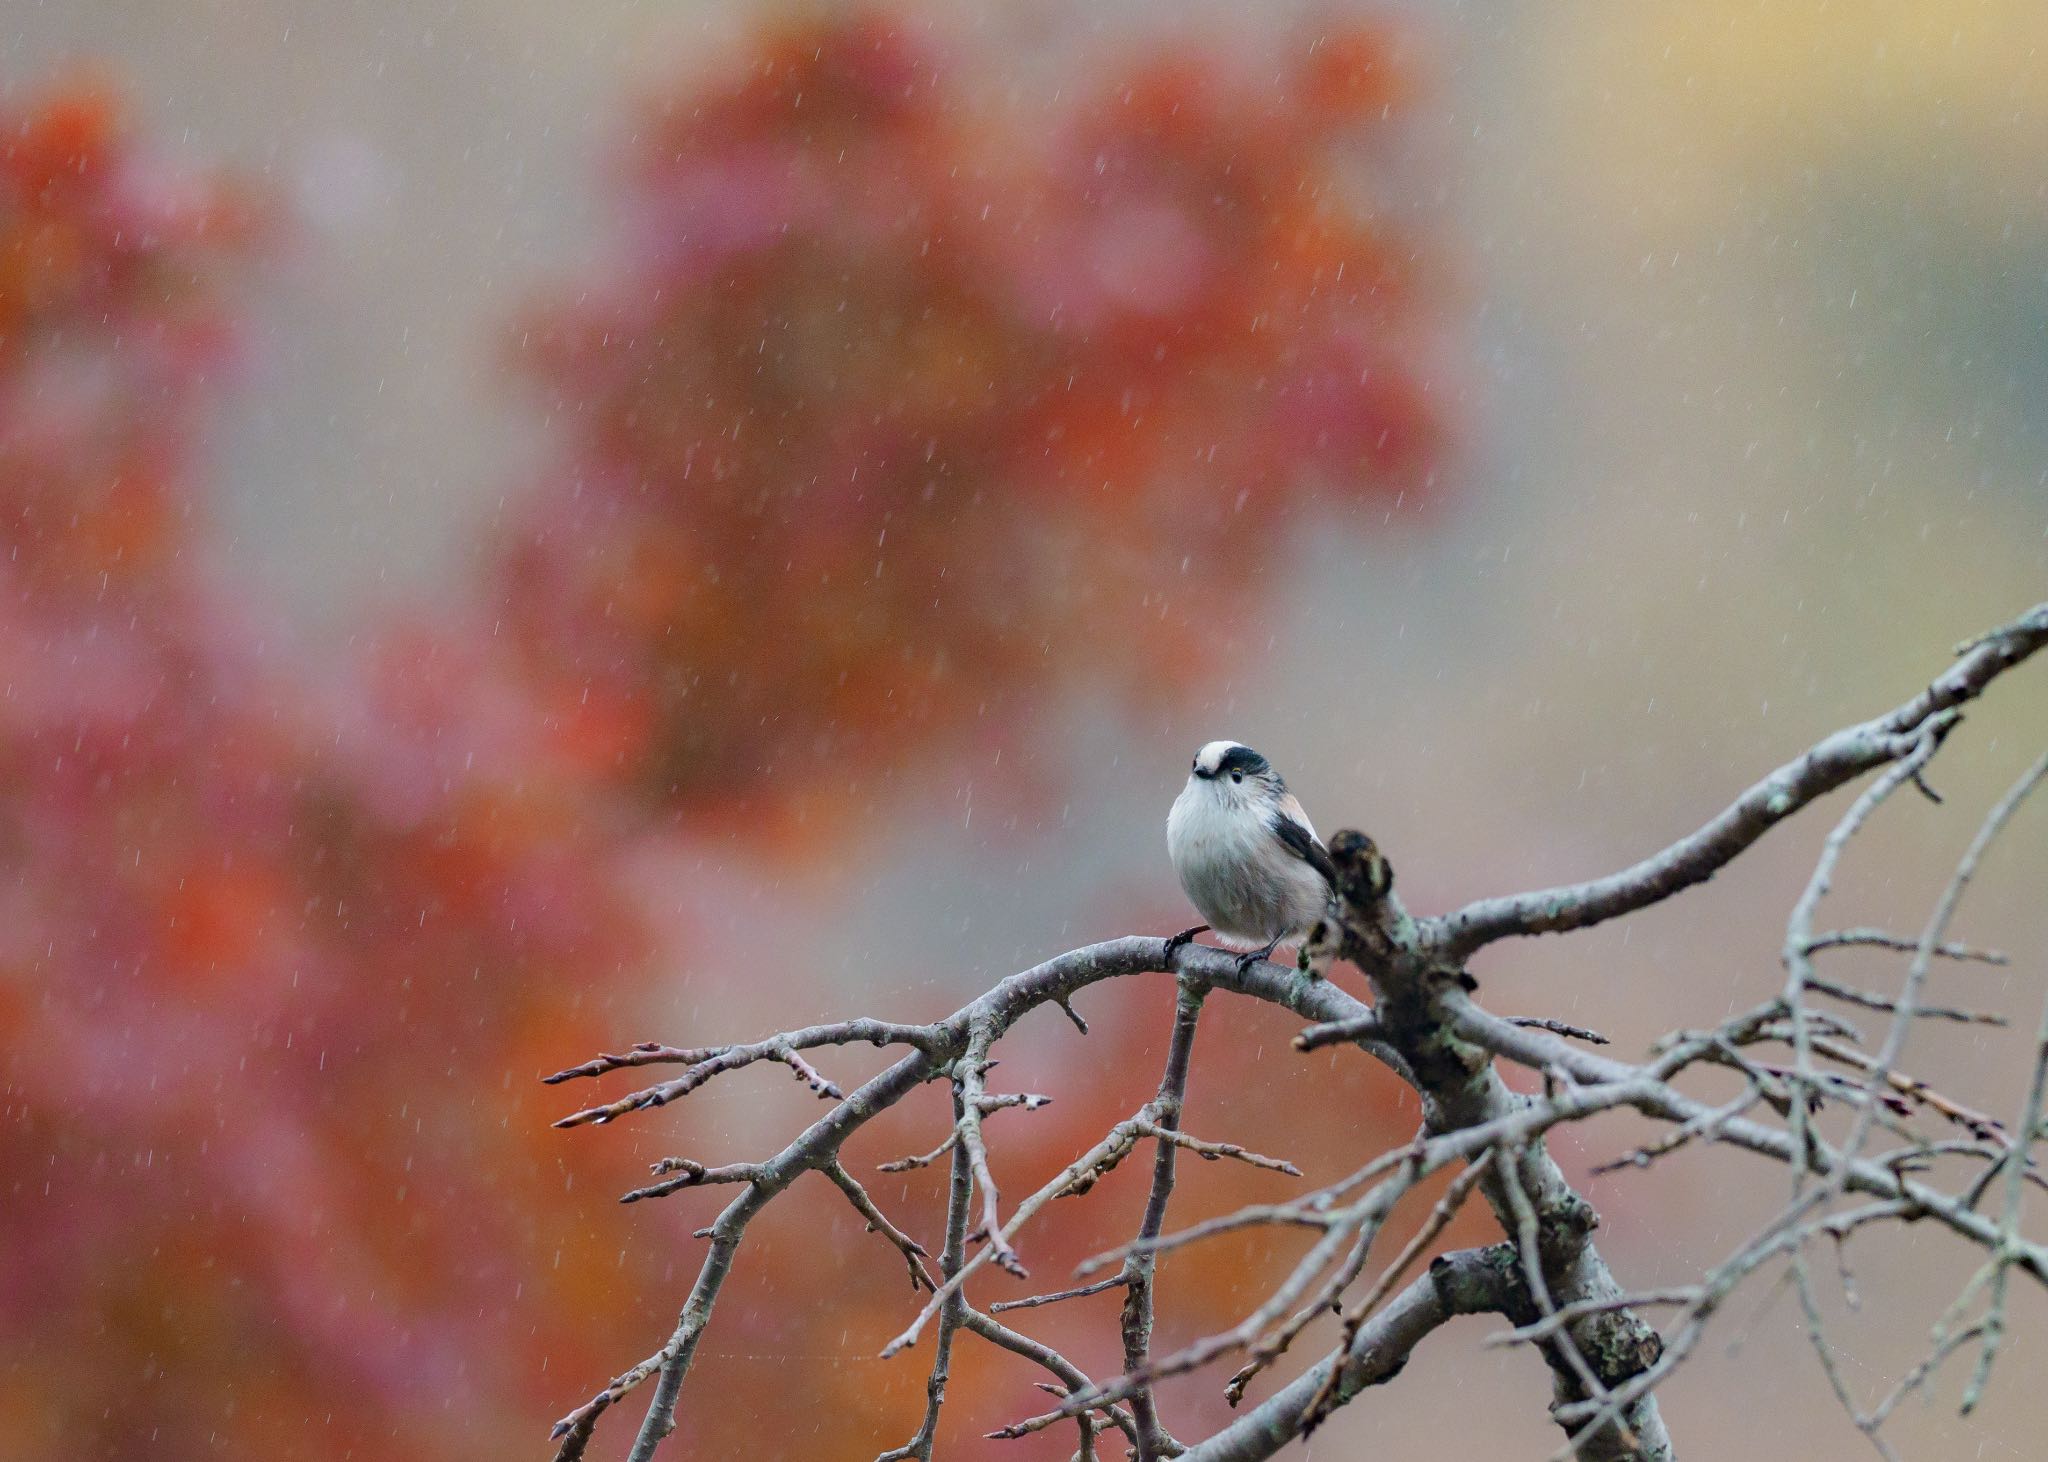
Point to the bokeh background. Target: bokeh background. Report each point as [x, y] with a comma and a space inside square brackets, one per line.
[532, 527]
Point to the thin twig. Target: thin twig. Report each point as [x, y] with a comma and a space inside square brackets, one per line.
[1560, 1028]
[1115, 1281]
[2025, 1127]
[970, 1072]
[1884, 939]
[1837, 759]
[953, 1310]
[914, 1253]
[1355, 1317]
[1937, 924]
[1140, 1267]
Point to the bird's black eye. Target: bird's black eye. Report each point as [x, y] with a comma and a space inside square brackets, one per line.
[1237, 776]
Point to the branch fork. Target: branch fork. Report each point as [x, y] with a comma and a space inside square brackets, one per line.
[1547, 1277]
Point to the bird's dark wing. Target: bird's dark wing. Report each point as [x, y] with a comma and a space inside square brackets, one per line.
[1291, 827]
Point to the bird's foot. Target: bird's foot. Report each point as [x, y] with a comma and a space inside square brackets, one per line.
[1251, 957]
[1186, 936]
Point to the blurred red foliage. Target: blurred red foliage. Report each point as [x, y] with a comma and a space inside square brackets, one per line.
[896, 416]
[937, 414]
[268, 947]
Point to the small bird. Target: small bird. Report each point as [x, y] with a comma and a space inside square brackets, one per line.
[1246, 853]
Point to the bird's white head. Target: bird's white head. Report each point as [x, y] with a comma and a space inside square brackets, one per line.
[1231, 769]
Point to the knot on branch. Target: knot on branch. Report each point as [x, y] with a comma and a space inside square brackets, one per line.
[1566, 1222]
[1371, 929]
[1620, 1345]
[1616, 1344]
[1364, 876]
[1374, 931]
[1478, 1281]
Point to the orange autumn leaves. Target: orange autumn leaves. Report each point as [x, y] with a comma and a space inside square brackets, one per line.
[947, 403]
[266, 935]
[110, 326]
[893, 413]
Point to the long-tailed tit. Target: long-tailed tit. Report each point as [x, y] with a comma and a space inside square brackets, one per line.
[1246, 853]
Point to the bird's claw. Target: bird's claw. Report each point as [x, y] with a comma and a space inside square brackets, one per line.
[1251, 957]
[1186, 936]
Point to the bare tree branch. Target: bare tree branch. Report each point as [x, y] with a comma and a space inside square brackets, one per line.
[1071, 1376]
[953, 1304]
[1880, 939]
[1141, 1267]
[1903, 1159]
[1840, 758]
[1466, 1283]
[2027, 1123]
